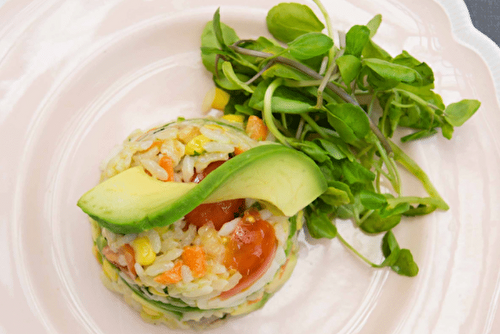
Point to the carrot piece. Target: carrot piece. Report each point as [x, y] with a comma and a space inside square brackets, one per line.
[127, 251]
[168, 165]
[194, 258]
[110, 255]
[238, 150]
[171, 276]
[282, 268]
[256, 128]
[250, 302]
[156, 143]
[145, 134]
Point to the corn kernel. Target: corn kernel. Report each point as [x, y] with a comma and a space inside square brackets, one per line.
[215, 98]
[96, 229]
[157, 292]
[214, 127]
[96, 253]
[186, 134]
[300, 219]
[221, 99]
[109, 271]
[195, 145]
[150, 311]
[144, 254]
[234, 118]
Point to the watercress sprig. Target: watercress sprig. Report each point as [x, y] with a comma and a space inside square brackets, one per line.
[308, 92]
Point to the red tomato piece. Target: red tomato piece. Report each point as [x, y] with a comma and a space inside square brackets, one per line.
[251, 250]
[210, 168]
[218, 213]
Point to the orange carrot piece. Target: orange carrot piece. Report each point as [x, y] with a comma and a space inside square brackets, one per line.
[194, 258]
[127, 251]
[238, 150]
[156, 143]
[168, 165]
[256, 128]
[283, 267]
[250, 302]
[171, 276]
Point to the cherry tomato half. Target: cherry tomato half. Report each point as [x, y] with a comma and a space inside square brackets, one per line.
[215, 213]
[250, 250]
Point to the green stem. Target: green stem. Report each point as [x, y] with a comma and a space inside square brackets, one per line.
[283, 121]
[268, 113]
[415, 200]
[396, 172]
[312, 83]
[345, 243]
[264, 68]
[372, 103]
[415, 169]
[402, 105]
[359, 92]
[324, 82]
[356, 215]
[394, 175]
[331, 54]
[377, 182]
[365, 216]
[314, 125]
[417, 99]
[381, 172]
[302, 83]
[382, 122]
[364, 151]
[329, 27]
[300, 128]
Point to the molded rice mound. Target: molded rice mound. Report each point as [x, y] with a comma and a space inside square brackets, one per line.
[179, 275]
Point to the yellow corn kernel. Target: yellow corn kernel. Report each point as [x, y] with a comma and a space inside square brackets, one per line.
[96, 229]
[221, 99]
[109, 271]
[188, 133]
[195, 145]
[157, 292]
[144, 254]
[215, 98]
[150, 311]
[300, 219]
[96, 253]
[234, 118]
[214, 127]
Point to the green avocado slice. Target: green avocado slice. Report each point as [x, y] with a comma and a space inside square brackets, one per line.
[132, 201]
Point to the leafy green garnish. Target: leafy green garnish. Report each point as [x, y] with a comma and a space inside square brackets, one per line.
[310, 45]
[287, 21]
[356, 39]
[322, 115]
[458, 113]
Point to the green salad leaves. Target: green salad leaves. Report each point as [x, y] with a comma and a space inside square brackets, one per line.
[340, 105]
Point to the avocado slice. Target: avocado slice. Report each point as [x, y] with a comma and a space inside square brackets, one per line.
[132, 201]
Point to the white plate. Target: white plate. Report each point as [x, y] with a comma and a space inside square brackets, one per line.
[76, 77]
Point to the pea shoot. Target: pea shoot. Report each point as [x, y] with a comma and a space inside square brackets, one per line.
[308, 92]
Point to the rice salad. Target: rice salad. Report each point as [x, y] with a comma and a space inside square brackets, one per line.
[187, 274]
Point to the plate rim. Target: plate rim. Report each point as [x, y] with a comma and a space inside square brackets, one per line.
[467, 35]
